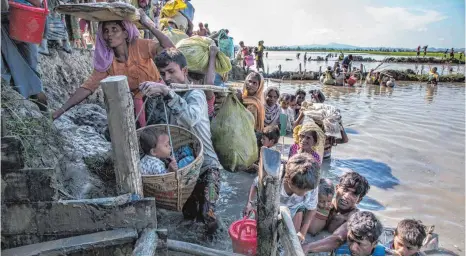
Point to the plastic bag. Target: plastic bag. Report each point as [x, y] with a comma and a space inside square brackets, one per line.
[327, 116]
[233, 135]
[172, 7]
[196, 51]
[175, 35]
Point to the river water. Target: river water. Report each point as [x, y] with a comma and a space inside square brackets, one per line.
[409, 142]
[276, 58]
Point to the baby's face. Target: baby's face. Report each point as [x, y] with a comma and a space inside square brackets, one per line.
[325, 202]
[163, 149]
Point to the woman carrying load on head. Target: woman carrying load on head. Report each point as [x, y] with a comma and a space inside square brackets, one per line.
[253, 99]
[119, 51]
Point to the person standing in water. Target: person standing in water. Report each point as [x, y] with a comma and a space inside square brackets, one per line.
[418, 50]
[259, 56]
[452, 54]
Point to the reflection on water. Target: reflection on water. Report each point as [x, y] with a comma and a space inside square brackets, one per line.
[407, 141]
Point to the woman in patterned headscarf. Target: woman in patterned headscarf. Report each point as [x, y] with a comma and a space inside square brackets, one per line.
[308, 138]
[119, 51]
[272, 109]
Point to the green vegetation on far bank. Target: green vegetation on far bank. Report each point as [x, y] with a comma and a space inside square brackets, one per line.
[412, 53]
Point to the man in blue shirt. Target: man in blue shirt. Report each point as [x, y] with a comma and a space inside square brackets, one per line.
[346, 62]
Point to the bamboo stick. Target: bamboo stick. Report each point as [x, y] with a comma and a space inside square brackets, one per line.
[196, 250]
[186, 87]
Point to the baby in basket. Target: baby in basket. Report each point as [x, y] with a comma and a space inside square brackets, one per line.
[156, 147]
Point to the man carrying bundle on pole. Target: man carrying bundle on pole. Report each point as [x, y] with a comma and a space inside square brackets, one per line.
[189, 110]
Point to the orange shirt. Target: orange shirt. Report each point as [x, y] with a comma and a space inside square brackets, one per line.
[138, 68]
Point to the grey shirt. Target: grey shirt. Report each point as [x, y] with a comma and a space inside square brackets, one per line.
[190, 111]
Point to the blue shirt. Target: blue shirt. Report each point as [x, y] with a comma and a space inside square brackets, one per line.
[346, 61]
[379, 250]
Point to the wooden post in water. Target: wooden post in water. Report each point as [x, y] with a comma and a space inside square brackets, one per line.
[120, 113]
[300, 69]
[268, 202]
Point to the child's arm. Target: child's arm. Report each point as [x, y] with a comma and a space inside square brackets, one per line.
[344, 137]
[329, 243]
[252, 193]
[308, 218]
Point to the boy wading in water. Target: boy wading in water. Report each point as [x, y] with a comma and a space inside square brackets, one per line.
[350, 191]
[298, 191]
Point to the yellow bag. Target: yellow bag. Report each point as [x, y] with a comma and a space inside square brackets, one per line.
[172, 7]
[175, 35]
[180, 21]
[196, 51]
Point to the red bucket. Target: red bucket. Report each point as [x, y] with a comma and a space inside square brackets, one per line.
[243, 234]
[27, 23]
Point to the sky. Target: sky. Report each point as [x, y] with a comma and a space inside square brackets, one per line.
[367, 23]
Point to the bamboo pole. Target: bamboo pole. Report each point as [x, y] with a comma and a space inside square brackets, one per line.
[186, 87]
[121, 123]
[268, 196]
[287, 233]
[196, 250]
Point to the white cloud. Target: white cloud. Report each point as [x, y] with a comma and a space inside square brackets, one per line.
[441, 39]
[403, 17]
[302, 22]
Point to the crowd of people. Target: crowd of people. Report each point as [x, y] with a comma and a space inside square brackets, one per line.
[151, 66]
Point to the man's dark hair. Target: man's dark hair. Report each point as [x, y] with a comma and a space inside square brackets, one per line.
[272, 133]
[170, 55]
[355, 180]
[326, 187]
[148, 139]
[364, 225]
[411, 231]
[300, 92]
[302, 171]
[350, 56]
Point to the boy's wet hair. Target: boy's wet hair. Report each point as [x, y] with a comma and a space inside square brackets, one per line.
[411, 231]
[292, 98]
[364, 225]
[326, 187]
[148, 139]
[302, 171]
[300, 92]
[170, 55]
[354, 180]
[272, 133]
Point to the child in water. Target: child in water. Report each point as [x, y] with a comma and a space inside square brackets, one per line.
[433, 76]
[270, 137]
[326, 192]
[298, 191]
[156, 148]
[409, 238]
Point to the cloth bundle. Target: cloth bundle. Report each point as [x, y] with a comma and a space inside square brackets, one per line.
[327, 116]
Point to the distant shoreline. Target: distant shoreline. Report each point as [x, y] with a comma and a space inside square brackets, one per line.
[411, 53]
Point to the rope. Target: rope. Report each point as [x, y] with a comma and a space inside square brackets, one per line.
[168, 129]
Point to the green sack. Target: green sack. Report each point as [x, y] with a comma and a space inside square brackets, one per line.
[196, 51]
[233, 135]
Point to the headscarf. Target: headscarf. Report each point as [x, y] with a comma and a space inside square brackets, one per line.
[272, 114]
[103, 55]
[309, 126]
[257, 100]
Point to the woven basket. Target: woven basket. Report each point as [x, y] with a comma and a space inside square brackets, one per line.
[171, 190]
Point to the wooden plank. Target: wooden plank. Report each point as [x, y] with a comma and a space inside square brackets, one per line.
[30, 185]
[162, 243]
[146, 244]
[12, 154]
[75, 217]
[120, 113]
[268, 202]
[76, 244]
[287, 234]
[196, 250]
